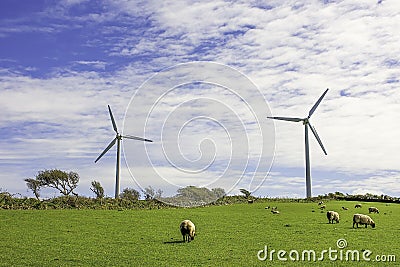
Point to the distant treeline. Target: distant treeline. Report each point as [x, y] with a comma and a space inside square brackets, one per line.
[65, 182]
[365, 198]
[126, 201]
[8, 201]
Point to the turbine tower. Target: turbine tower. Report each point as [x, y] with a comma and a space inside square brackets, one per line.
[306, 123]
[118, 139]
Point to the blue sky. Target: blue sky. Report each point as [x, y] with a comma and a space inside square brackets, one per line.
[62, 62]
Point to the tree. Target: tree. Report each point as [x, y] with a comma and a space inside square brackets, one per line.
[130, 194]
[150, 193]
[97, 189]
[158, 194]
[245, 192]
[62, 181]
[218, 192]
[194, 193]
[33, 185]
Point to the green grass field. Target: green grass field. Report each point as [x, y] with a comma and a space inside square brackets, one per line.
[228, 235]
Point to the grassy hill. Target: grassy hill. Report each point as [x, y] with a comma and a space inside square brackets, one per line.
[228, 235]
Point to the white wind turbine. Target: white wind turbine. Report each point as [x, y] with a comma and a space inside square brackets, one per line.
[118, 139]
[306, 123]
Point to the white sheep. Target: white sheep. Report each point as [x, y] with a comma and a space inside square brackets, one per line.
[357, 206]
[320, 203]
[363, 219]
[332, 216]
[373, 209]
[323, 207]
[344, 208]
[188, 230]
[275, 211]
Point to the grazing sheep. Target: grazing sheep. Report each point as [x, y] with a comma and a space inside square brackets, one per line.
[275, 211]
[363, 219]
[344, 208]
[322, 207]
[250, 201]
[332, 216]
[274, 208]
[187, 230]
[267, 208]
[320, 203]
[357, 206]
[373, 209]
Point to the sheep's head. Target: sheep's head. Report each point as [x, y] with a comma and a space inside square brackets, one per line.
[373, 224]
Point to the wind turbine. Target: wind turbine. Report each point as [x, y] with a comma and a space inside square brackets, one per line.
[118, 139]
[306, 123]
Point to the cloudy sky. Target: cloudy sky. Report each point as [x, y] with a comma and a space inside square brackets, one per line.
[199, 78]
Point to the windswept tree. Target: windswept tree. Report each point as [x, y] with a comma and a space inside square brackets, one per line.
[245, 192]
[33, 185]
[62, 181]
[97, 189]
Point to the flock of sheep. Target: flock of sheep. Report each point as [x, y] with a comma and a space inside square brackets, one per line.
[188, 229]
[334, 217]
[358, 218]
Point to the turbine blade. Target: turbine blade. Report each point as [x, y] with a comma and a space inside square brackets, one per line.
[317, 103]
[112, 119]
[107, 148]
[286, 119]
[317, 137]
[137, 138]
